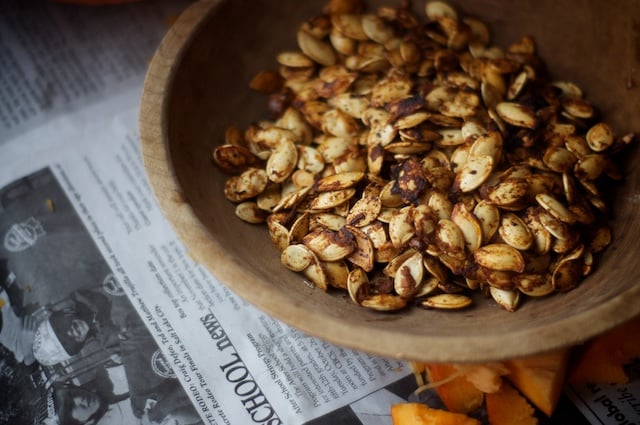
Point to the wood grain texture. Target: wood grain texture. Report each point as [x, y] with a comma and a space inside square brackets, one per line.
[197, 85]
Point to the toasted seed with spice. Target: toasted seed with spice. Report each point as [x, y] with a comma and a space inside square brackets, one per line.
[555, 208]
[469, 226]
[447, 301]
[331, 199]
[507, 299]
[473, 173]
[296, 257]
[316, 49]
[533, 285]
[499, 256]
[600, 137]
[363, 254]
[515, 232]
[247, 185]
[317, 275]
[329, 245]
[233, 158]
[384, 302]
[516, 114]
[282, 162]
[408, 277]
[358, 285]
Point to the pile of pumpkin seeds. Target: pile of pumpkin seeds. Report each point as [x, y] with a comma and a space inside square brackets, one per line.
[409, 162]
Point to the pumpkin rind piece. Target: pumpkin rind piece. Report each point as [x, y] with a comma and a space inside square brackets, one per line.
[457, 394]
[421, 414]
[508, 407]
[602, 360]
[540, 378]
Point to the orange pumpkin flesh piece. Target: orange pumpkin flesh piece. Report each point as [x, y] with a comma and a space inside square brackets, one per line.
[457, 394]
[421, 414]
[602, 360]
[540, 378]
[508, 407]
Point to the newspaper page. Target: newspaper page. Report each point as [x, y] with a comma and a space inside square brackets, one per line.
[105, 319]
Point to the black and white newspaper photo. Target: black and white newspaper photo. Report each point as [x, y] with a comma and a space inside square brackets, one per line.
[74, 350]
[106, 318]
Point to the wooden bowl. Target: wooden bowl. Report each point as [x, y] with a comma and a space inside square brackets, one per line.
[197, 85]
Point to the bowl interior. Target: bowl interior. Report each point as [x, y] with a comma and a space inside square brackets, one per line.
[198, 85]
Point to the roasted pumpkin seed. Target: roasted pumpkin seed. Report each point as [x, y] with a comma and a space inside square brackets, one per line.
[401, 144]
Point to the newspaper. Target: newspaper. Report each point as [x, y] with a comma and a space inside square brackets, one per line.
[106, 319]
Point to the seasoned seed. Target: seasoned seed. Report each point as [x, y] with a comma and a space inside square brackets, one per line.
[440, 205]
[516, 114]
[439, 9]
[296, 257]
[578, 108]
[568, 89]
[290, 199]
[408, 278]
[469, 226]
[269, 198]
[294, 59]
[450, 238]
[364, 211]
[278, 233]
[376, 28]
[447, 302]
[350, 25]
[487, 144]
[401, 226]
[559, 159]
[533, 285]
[339, 181]
[282, 162]
[515, 232]
[339, 123]
[499, 256]
[554, 226]
[508, 192]
[555, 208]
[246, 186]
[507, 299]
[249, 212]
[233, 158]
[363, 254]
[350, 103]
[489, 217]
[568, 272]
[473, 173]
[329, 245]
[310, 159]
[317, 275]
[316, 49]
[327, 220]
[601, 239]
[337, 273]
[384, 302]
[358, 285]
[600, 137]
[331, 199]
[299, 228]
[590, 167]
[517, 85]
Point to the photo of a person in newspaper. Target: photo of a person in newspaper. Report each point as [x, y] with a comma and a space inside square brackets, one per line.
[73, 350]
